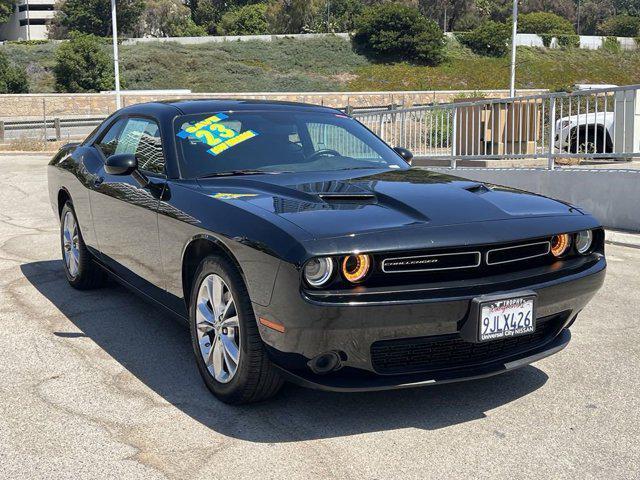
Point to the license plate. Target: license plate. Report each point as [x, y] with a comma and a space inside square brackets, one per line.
[506, 318]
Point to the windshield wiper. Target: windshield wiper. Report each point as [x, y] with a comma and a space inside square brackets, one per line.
[246, 171]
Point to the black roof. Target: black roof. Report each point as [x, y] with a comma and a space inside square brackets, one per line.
[191, 106]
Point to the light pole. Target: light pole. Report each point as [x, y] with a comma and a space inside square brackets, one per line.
[514, 33]
[28, 22]
[116, 66]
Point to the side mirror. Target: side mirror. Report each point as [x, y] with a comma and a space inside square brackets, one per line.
[406, 155]
[121, 164]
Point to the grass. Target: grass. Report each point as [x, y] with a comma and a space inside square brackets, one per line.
[330, 64]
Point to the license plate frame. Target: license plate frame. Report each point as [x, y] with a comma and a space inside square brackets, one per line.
[472, 329]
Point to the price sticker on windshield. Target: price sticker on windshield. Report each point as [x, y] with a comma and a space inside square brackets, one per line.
[215, 134]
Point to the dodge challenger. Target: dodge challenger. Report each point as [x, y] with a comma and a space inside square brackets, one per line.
[300, 247]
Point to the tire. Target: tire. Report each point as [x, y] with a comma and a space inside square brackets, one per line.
[81, 271]
[589, 140]
[231, 337]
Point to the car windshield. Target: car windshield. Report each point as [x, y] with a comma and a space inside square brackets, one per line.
[245, 142]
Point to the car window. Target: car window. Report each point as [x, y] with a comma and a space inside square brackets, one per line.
[140, 137]
[325, 136]
[109, 141]
[295, 141]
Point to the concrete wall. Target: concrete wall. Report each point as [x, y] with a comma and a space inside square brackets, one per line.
[612, 196]
[522, 39]
[38, 105]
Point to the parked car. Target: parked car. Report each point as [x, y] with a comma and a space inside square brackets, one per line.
[299, 246]
[586, 131]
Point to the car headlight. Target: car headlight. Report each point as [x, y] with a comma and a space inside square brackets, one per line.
[583, 240]
[356, 267]
[560, 244]
[318, 271]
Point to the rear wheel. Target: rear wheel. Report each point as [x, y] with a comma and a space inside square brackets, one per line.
[82, 273]
[229, 351]
[589, 140]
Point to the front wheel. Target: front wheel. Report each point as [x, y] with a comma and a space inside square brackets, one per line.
[81, 272]
[231, 357]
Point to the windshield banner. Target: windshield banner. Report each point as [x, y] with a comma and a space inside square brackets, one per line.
[214, 134]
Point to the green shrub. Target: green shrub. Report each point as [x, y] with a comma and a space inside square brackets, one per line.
[13, 79]
[247, 20]
[564, 41]
[28, 42]
[82, 65]
[393, 31]
[611, 44]
[569, 41]
[544, 23]
[490, 39]
[620, 26]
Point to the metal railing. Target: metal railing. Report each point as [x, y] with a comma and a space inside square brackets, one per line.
[587, 124]
[48, 128]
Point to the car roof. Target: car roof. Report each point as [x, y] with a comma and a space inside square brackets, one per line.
[194, 106]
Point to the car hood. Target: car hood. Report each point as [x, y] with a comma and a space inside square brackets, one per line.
[333, 204]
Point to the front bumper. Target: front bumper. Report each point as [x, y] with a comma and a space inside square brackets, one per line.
[315, 325]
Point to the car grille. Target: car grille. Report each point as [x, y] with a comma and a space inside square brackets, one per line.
[426, 263]
[446, 352]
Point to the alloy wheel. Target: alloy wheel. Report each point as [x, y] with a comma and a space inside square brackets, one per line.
[218, 328]
[70, 249]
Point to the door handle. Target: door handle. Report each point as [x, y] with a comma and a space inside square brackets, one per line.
[98, 181]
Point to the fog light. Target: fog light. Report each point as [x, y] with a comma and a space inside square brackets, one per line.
[560, 244]
[356, 267]
[583, 240]
[318, 271]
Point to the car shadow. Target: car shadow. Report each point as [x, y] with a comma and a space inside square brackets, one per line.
[154, 346]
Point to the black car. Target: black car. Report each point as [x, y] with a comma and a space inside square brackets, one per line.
[300, 247]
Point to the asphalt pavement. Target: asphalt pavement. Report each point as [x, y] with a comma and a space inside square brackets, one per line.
[103, 385]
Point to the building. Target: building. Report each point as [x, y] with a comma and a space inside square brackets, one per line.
[30, 20]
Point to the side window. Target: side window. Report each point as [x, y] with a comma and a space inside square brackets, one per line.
[141, 137]
[109, 141]
[333, 137]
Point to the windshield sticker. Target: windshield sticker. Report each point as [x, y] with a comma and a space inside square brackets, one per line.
[214, 134]
[231, 196]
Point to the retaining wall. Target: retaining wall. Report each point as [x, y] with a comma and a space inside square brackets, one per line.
[51, 105]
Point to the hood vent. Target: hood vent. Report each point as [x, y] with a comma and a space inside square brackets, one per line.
[347, 197]
[478, 188]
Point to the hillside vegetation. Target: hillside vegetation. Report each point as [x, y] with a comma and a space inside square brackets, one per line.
[331, 64]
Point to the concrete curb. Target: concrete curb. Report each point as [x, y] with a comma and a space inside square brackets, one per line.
[626, 239]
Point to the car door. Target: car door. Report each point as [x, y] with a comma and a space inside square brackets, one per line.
[124, 211]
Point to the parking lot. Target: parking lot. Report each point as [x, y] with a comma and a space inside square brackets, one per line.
[102, 385]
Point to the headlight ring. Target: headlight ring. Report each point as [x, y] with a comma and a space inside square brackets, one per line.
[318, 271]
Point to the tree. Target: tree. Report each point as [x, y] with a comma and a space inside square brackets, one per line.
[207, 13]
[13, 79]
[454, 10]
[393, 31]
[168, 18]
[6, 9]
[335, 16]
[247, 20]
[544, 22]
[292, 16]
[94, 17]
[489, 39]
[620, 26]
[593, 13]
[82, 65]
